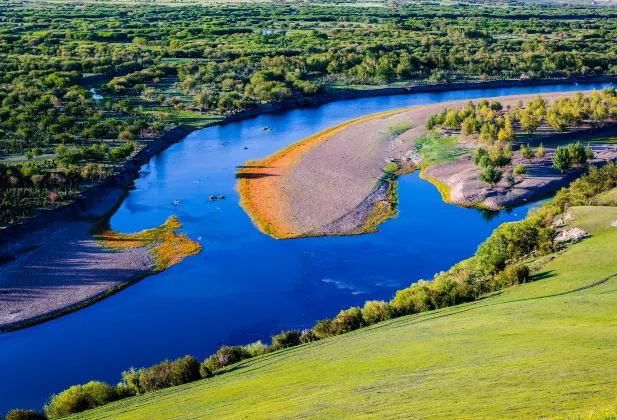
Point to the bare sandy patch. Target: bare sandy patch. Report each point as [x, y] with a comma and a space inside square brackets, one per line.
[333, 182]
[63, 267]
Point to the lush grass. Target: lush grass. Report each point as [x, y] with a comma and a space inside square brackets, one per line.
[544, 349]
[436, 147]
[167, 247]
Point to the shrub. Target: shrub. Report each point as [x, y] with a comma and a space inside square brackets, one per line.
[163, 375]
[79, 398]
[123, 390]
[257, 348]
[375, 311]
[25, 415]
[411, 300]
[513, 274]
[512, 241]
[205, 371]
[490, 175]
[285, 339]
[226, 356]
[520, 169]
[347, 320]
[323, 329]
[308, 336]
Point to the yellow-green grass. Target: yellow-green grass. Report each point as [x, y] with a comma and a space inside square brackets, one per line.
[543, 349]
[167, 247]
[443, 188]
[437, 148]
[259, 194]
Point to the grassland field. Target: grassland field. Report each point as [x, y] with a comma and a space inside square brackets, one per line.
[546, 349]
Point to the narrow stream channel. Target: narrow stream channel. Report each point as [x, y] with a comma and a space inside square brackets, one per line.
[244, 286]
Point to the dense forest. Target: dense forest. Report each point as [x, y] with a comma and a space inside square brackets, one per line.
[154, 67]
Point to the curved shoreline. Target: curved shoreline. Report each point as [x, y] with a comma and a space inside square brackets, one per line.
[280, 164]
[347, 185]
[97, 204]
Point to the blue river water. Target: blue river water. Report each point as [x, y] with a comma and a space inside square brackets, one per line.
[244, 285]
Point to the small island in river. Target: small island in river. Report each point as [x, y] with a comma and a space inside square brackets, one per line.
[342, 181]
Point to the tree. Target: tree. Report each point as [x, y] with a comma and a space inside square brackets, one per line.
[529, 122]
[490, 175]
[561, 159]
[528, 152]
[541, 152]
[578, 155]
[556, 120]
[466, 127]
[520, 170]
[589, 153]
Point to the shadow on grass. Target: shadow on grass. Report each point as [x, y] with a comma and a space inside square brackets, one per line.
[543, 275]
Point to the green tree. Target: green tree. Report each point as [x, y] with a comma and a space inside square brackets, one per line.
[520, 170]
[541, 152]
[578, 155]
[561, 159]
[491, 175]
[528, 152]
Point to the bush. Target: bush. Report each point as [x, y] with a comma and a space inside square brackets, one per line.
[285, 339]
[163, 375]
[513, 274]
[79, 398]
[347, 321]
[414, 299]
[308, 336]
[323, 329]
[226, 356]
[205, 371]
[25, 415]
[512, 241]
[257, 348]
[375, 311]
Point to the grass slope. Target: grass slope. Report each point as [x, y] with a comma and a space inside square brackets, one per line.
[545, 349]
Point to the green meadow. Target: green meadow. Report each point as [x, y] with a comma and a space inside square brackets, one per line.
[541, 349]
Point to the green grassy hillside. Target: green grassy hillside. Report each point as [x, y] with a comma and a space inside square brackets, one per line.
[543, 349]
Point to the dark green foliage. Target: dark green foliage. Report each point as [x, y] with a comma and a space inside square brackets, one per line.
[490, 175]
[25, 415]
[562, 159]
[285, 339]
[512, 241]
[123, 151]
[578, 155]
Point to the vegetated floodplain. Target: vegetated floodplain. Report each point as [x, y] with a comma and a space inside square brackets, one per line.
[437, 148]
[502, 261]
[197, 65]
[531, 350]
[341, 187]
[166, 246]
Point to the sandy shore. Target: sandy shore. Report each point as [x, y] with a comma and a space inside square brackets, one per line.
[332, 182]
[58, 267]
[66, 269]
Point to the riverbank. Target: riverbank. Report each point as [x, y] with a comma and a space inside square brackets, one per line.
[344, 186]
[93, 206]
[105, 197]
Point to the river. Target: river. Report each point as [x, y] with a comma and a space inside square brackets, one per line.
[244, 285]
